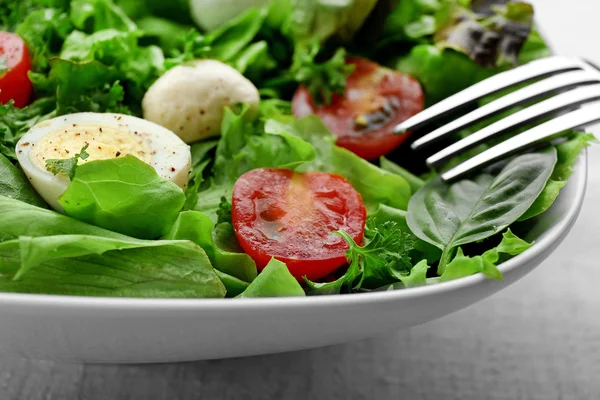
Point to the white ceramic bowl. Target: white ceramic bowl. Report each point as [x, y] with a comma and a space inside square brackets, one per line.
[109, 330]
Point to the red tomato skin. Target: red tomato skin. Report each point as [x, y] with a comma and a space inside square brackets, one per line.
[291, 216]
[367, 88]
[14, 83]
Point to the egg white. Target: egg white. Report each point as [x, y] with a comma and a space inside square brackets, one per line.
[169, 155]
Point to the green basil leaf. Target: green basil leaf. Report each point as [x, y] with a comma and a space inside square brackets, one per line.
[448, 216]
[124, 195]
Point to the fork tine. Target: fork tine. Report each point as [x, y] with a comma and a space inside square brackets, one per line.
[540, 134]
[555, 83]
[535, 69]
[553, 105]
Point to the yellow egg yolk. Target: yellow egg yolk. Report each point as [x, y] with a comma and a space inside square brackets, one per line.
[103, 141]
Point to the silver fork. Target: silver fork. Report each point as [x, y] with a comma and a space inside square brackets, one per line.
[572, 82]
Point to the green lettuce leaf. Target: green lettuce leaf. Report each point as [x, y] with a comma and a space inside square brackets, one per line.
[96, 266]
[275, 280]
[462, 266]
[14, 184]
[124, 195]
[15, 122]
[98, 15]
[198, 228]
[567, 155]
[245, 146]
[414, 181]
[96, 88]
[18, 219]
[44, 31]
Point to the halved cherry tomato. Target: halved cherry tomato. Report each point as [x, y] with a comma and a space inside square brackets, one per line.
[291, 216]
[376, 99]
[14, 82]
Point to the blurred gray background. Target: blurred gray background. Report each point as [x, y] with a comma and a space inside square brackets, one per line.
[539, 339]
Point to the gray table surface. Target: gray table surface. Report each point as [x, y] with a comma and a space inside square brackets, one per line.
[538, 339]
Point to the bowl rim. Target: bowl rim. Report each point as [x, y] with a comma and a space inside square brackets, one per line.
[551, 237]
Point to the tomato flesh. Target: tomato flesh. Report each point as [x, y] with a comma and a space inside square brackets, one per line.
[14, 81]
[376, 99]
[292, 216]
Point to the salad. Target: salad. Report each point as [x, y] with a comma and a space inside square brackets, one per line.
[245, 148]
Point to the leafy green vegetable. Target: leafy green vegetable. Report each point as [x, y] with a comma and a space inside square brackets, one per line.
[489, 41]
[383, 260]
[124, 195]
[231, 39]
[375, 185]
[18, 218]
[462, 266]
[245, 146]
[449, 216]
[442, 72]
[322, 80]
[67, 166]
[201, 159]
[98, 15]
[275, 280]
[96, 88]
[414, 181]
[43, 31]
[422, 249]
[14, 122]
[72, 265]
[567, 154]
[198, 227]
[322, 19]
[224, 211]
[14, 184]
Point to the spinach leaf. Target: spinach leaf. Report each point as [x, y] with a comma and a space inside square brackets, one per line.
[275, 280]
[448, 216]
[14, 184]
[462, 266]
[95, 266]
[375, 185]
[124, 195]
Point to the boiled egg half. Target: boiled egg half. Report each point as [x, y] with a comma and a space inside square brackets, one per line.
[107, 136]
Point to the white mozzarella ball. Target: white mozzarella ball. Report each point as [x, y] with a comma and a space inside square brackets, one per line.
[190, 99]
